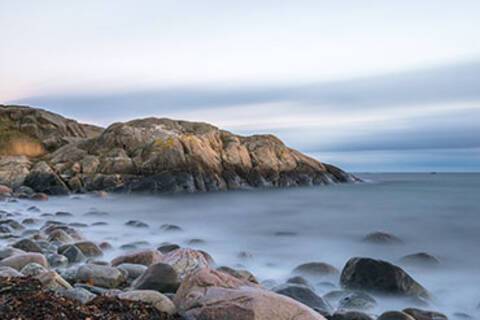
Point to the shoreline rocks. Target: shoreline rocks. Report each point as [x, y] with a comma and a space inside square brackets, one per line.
[146, 155]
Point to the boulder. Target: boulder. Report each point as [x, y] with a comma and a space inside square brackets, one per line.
[211, 295]
[14, 170]
[186, 260]
[158, 300]
[42, 178]
[305, 295]
[145, 257]
[19, 261]
[5, 191]
[380, 276]
[102, 276]
[136, 224]
[160, 277]
[419, 314]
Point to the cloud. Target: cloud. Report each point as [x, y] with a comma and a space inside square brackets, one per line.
[434, 108]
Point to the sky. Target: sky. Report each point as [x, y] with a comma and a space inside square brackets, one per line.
[367, 85]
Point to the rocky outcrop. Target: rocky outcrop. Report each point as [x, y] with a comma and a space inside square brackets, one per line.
[156, 155]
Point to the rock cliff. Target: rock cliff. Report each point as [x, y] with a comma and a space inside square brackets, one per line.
[152, 155]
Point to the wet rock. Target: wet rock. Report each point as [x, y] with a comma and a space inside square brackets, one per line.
[89, 249]
[170, 227]
[33, 269]
[285, 234]
[51, 226]
[57, 260]
[239, 274]
[60, 236]
[419, 314]
[8, 272]
[305, 295]
[160, 277]
[316, 270]
[99, 223]
[136, 224]
[43, 179]
[186, 260]
[382, 238]
[210, 295]
[78, 294]
[19, 261]
[158, 300]
[350, 315]
[73, 254]
[63, 214]
[421, 259]
[357, 300]
[30, 221]
[395, 315]
[145, 257]
[33, 209]
[102, 276]
[167, 247]
[133, 271]
[380, 276]
[134, 245]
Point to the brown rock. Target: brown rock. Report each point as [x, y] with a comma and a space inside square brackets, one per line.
[19, 261]
[186, 260]
[210, 295]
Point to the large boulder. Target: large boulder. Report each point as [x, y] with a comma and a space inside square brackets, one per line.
[160, 276]
[380, 276]
[186, 260]
[42, 178]
[210, 295]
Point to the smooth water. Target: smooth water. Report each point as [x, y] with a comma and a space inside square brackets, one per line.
[438, 214]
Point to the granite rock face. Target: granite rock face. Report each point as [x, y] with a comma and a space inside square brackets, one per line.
[153, 155]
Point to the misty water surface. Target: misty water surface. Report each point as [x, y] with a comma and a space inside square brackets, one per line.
[280, 229]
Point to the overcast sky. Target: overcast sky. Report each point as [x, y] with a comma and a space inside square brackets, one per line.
[369, 85]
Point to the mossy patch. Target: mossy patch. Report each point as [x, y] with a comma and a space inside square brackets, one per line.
[13, 142]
